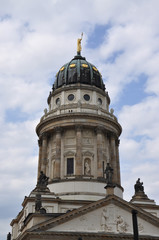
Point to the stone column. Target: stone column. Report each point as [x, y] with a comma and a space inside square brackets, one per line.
[40, 156]
[113, 162]
[58, 152]
[118, 161]
[78, 163]
[99, 153]
[44, 153]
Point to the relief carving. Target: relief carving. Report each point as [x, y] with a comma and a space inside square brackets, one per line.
[121, 225]
[87, 141]
[140, 227]
[104, 218]
[87, 133]
[83, 218]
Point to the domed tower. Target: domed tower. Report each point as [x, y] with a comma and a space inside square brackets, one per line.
[78, 144]
[78, 135]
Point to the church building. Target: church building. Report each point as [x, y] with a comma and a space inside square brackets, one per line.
[79, 195]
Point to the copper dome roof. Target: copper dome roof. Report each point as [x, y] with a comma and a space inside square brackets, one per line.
[78, 70]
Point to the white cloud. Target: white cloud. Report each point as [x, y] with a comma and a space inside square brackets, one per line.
[139, 145]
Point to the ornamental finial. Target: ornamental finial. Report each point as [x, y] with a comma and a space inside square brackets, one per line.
[79, 48]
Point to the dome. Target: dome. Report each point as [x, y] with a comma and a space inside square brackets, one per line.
[78, 70]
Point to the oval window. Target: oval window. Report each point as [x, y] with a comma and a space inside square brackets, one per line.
[58, 101]
[71, 97]
[86, 97]
[99, 101]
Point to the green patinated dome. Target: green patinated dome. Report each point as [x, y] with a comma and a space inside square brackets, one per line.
[78, 70]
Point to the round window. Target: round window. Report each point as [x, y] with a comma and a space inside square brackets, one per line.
[71, 97]
[99, 101]
[86, 97]
[58, 101]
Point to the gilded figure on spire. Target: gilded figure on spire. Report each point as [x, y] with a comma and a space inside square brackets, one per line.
[79, 48]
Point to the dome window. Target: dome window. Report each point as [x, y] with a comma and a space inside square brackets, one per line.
[72, 65]
[61, 69]
[58, 101]
[86, 97]
[84, 65]
[99, 101]
[71, 97]
[94, 68]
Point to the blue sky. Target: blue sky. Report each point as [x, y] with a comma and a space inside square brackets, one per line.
[121, 38]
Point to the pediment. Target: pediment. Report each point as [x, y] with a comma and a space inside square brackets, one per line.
[109, 215]
[88, 153]
[69, 153]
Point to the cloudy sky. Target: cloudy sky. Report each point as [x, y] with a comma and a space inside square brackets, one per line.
[121, 38]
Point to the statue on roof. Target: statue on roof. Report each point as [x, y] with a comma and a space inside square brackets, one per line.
[109, 174]
[139, 186]
[79, 48]
[9, 236]
[42, 180]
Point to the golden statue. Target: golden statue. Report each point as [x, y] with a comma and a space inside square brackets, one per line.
[79, 48]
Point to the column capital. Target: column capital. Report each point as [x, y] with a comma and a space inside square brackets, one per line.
[99, 130]
[40, 142]
[113, 136]
[43, 135]
[58, 129]
[117, 142]
[78, 127]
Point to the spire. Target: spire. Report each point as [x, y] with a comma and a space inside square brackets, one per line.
[79, 48]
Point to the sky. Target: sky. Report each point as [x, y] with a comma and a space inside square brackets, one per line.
[121, 38]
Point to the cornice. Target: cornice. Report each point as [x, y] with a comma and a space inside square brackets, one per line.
[110, 199]
[83, 115]
[79, 86]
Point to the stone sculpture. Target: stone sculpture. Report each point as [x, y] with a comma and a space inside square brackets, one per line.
[109, 174]
[87, 169]
[42, 180]
[139, 186]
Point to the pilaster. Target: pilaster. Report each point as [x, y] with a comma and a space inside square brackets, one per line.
[78, 165]
[113, 161]
[58, 152]
[99, 152]
[118, 162]
[44, 153]
[40, 157]
[107, 147]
